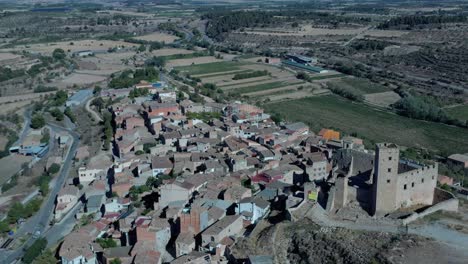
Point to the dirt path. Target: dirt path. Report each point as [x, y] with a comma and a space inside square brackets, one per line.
[95, 115]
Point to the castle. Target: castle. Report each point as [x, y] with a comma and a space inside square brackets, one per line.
[381, 183]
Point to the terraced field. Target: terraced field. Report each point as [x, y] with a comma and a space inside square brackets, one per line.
[278, 84]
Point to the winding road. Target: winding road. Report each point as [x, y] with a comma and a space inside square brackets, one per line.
[40, 221]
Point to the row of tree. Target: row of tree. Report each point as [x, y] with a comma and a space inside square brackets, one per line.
[408, 22]
[129, 78]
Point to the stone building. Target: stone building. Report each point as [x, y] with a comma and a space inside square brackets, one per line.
[398, 183]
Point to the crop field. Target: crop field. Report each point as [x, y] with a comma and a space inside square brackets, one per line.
[170, 51]
[158, 36]
[191, 61]
[209, 68]
[363, 85]
[384, 99]
[72, 46]
[371, 124]
[458, 112]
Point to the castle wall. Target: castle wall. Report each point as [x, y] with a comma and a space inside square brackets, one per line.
[416, 186]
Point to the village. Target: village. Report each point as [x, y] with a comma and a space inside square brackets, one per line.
[181, 181]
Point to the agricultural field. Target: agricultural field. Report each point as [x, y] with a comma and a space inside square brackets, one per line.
[72, 46]
[458, 112]
[209, 68]
[158, 36]
[191, 60]
[258, 82]
[371, 124]
[170, 51]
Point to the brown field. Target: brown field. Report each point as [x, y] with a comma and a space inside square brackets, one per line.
[8, 56]
[169, 51]
[73, 46]
[384, 99]
[191, 61]
[10, 165]
[158, 36]
[23, 97]
[14, 107]
[80, 79]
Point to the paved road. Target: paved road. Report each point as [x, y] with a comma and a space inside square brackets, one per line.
[40, 221]
[59, 230]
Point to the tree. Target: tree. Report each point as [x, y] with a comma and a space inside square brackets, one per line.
[97, 89]
[55, 112]
[295, 24]
[68, 112]
[106, 242]
[47, 257]
[116, 261]
[46, 136]
[59, 54]
[37, 121]
[98, 103]
[4, 227]
[54, 168]
[34, 250]
[142, 48]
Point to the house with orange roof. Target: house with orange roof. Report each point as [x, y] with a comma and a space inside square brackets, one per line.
[329, 134]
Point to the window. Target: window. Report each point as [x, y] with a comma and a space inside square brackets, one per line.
[422, 180]
[412, 185]
[389, 158]
[404, 187]
[389, 170]
[388, 181]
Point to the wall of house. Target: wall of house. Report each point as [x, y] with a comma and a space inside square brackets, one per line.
[87, 176]
[317, 171]
[183, 248]
[230, 230]
[162, 238]
[341, 194]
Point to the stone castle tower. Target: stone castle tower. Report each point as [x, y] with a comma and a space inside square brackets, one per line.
[385, 178]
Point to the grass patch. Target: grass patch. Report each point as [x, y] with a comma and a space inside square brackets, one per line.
[363, 85]
[184, 56]
[222, 73]
[261, 87]
[458, 112]
[210, 67]
[324, 77]
[371, 124]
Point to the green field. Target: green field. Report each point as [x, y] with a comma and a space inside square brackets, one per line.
[458, 112]
[261, 87]
[371, 124]
[324, 77]
[210, 67]
[362, 85]
[223, 73]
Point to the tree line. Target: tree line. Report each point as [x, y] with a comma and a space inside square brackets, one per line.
[408, 22]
